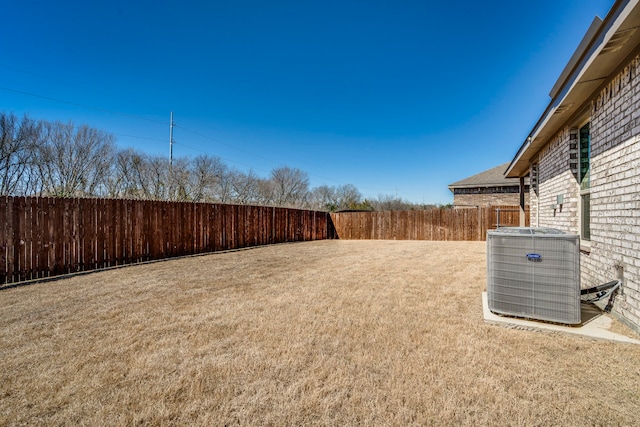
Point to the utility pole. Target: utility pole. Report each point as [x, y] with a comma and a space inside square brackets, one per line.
[171, 141]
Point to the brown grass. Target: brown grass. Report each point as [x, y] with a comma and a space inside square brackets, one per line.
[328, 333]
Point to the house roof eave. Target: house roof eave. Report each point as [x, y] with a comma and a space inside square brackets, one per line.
[606, 44]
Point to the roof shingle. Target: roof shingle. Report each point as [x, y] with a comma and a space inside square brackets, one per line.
[489, 178]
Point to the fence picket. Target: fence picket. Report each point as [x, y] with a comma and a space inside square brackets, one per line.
[436, 224]
[42, 237]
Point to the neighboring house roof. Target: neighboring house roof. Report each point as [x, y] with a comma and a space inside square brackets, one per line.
[606, 45]
[490, 178]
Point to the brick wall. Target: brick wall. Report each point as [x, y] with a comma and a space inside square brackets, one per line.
[555, 178]
[615, 189]
[614, 249]
[494, 199]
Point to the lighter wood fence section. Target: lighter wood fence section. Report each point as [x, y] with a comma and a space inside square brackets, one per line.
[43, 237]
[436, 224]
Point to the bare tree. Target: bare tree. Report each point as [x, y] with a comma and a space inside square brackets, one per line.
[74, 161]
[124, 175]
[207, 179]
[154, 177]
[290, 186]
[249, 189]
[265, 194]
[139, 176]
[386, 202]
[179, 180]
[324, 198]
[336, 198]
[18, 141]
[223, 189]
[348, 197]
[65, 160]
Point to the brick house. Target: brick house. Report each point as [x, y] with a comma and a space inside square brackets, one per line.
[487, 188]
[583, 156]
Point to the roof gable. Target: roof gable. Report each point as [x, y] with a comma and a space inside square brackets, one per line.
[490, 178]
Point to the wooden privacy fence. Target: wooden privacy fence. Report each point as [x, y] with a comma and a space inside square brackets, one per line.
[505, 216]
[436, 224]
[42, 237]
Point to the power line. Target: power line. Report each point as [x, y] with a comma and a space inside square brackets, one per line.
[259, 156]
[171, 124]
[225, 144]
[81, 105]
[182, 127]
[47, 77]
[266, 171]
[138, 137]
[140, 118]
[106, 132]
[223, 158]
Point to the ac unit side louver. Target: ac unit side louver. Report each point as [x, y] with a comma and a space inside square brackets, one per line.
[534, 273]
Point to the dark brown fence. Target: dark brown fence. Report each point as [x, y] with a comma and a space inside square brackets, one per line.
[436, 224]
[42, 237]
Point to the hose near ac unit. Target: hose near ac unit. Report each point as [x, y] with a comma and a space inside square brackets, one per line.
[601, 292]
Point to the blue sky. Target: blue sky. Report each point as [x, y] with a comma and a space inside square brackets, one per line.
[395, 97]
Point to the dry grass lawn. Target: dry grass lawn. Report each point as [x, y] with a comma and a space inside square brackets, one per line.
[327, 333]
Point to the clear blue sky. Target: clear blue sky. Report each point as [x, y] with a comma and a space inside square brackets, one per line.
[395, 97]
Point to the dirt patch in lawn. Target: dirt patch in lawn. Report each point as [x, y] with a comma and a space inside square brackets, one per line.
[330, 333]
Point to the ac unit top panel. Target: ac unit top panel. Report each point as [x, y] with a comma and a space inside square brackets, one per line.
[531, 231]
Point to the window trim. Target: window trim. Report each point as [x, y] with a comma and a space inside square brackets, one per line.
[585, 243]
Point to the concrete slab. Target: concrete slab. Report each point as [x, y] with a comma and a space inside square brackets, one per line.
[595, 324]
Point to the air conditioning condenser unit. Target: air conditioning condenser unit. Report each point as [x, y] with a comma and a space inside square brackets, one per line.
[534, 273]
